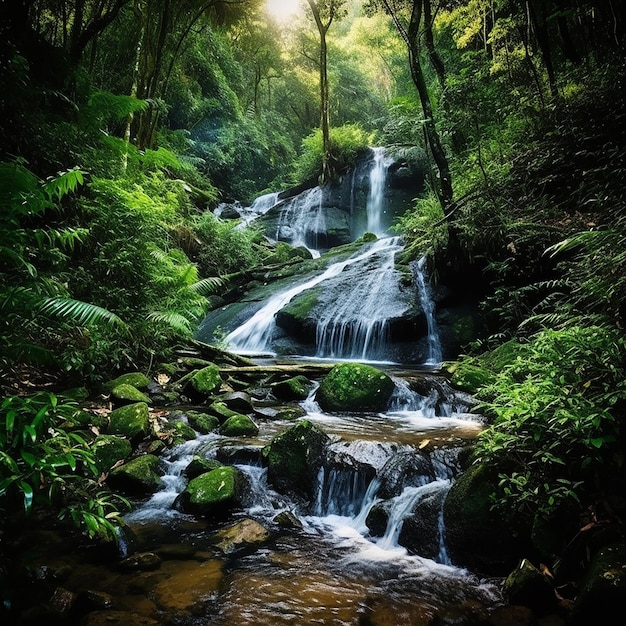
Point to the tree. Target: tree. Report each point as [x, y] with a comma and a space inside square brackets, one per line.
[324, 13]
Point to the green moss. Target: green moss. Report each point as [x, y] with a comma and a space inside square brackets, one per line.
[206, 380]
[109, 449]
[132, 420]
[300, 306]
[355, 387]
[136, 379]
[239, 425]
[129, 393]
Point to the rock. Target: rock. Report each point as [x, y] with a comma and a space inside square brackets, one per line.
[126, 394]
[141, 562]
[202, 422]
[287, 519]
[135, 379]
[215, 493]
[527, 586]
[355, 387]
[239, 426]
[62, 602]
[204, 382]
[108, 450]
[294, 457]
[238, 401]
[139, 476]
[405, 469]
[476, 536]
[296, 388]
[181, 432]
[601, 597]
[220, 410]
[244, 536]
[200, 465]
[131, 421]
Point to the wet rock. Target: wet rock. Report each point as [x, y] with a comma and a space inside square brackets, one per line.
[527, 586]
[244, 536]
[295, 456]
[601, 597]
[92, 600]
[220, 410]
[377, 519]
[296, 388]
[131, 421]
[512, 616]
[135, 379]
[215, 493]
[241, 455]
[200, 465]
[476, 536]
[139, 476]
[355, 387]
[238, 401]
[109, 449]
[404, 469]
[287, 519]
[141, 562]
[62, 602]
[239, 426]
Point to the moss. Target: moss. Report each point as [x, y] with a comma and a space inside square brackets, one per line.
[355, 387]
[300, 306]
[129, 393]
[132, 420]
[239, 425]
[296, 388]
[202, 422]
[206, 380]
[213, 492]
[469, 377]
[136, 379]
[109, 449]
[139, 475]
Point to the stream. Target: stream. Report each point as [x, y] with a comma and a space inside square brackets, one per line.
[369, 547]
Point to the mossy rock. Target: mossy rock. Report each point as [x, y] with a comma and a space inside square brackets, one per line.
[296, 388]
[203, 382]
[294, 458]
[221, 411]
[239, 425]
[131, 420]
[128, 393]
[477, 537]
[469, 377]
[527, 586]
[199, 465]
[135, 379]
[215, 493]
[202, 422]
[181, 432]
[139, 476]
[355, 387]
[109, 449]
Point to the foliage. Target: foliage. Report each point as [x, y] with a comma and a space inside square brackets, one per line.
[346, 144]
[46, 462]
[556, 432]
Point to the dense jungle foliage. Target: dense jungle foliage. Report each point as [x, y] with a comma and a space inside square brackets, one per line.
[124, 122]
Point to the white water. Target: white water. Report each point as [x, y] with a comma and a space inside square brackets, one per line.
[428, 306]
[354, 325]
[254, 336]
[376, 197]
[301, 219]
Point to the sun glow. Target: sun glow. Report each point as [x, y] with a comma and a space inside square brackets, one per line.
[283, 10]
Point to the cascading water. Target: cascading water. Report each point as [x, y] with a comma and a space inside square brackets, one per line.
[376, 197]
[428, 306]
[302, 219]
[254, 336]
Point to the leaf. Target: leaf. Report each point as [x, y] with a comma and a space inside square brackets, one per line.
[79, 312]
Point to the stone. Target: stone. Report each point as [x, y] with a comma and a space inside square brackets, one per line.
[200, 465]
[244, 536]
[239, 426]
[138, 476]
[215, 493]
[355, 387]
[141, 562]
[131, 420]
[126, 393]
[527, 586]
[108, 450]
[202, 422]
[135, 379]
[205, 381]
[296, 388]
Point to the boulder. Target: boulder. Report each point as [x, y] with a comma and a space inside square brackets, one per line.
[203, 382]
[294, 458]
[135, 379]
[296, 388]
[108, 450]
[239, 425]
[527, 586]
[127, 394]
[131, 421]
[139, 476]
[215, 493]
[200, 465]
[202, 422]
[477, 537]
[244, 536]
[355, 387]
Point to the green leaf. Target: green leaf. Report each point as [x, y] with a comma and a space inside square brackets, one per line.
[79, 312]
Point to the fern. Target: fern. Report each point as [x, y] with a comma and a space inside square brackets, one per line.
[79, 312]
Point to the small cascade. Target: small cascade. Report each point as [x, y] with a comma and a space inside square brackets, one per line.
[254, 336]
[435, 355]
[376, 197]
[302, 220]
[354, 323]
[341, 492]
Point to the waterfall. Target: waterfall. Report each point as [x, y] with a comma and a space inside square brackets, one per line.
[376, 198]
[254, 336]
[354, 323]
[435, 355]
[302, 219]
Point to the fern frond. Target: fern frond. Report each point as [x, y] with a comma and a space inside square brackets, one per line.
[79, 312]
[208, 286]
[174, 320]
[59, 186]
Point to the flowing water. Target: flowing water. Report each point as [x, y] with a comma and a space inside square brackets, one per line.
[369, 547]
